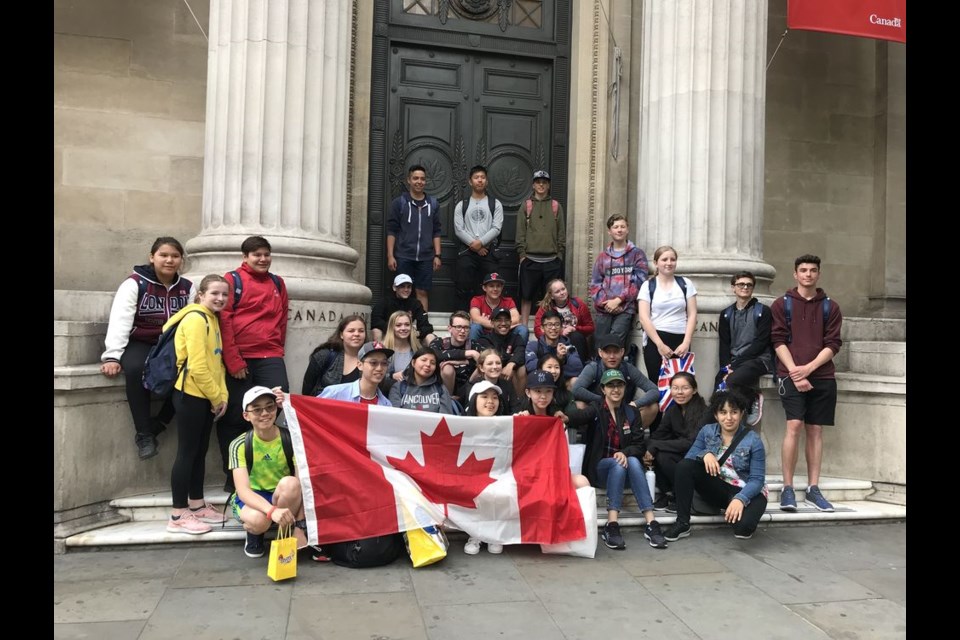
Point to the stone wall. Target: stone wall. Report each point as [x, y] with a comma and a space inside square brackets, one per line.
[828, 98]
[129, 105]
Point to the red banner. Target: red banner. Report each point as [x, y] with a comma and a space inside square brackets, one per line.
[881, 19]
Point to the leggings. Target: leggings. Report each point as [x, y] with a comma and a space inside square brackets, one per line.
[194, 423]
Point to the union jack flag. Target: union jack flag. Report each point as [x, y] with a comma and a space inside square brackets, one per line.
[669, 368]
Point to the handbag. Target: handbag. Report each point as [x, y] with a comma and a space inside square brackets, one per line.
[426, 545]
[283, 555]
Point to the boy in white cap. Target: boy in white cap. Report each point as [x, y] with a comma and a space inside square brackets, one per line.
[264, 473]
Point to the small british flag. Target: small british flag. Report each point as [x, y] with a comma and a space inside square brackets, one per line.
[669, 368]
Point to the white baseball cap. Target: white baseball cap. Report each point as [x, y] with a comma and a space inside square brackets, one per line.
[482, 386]
[402, 279]
[255, 392]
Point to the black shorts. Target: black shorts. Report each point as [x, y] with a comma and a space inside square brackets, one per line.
[534, 276]
[817, 406]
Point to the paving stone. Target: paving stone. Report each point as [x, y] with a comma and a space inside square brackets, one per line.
[368, 615]
[326, 578]
[105, 565]
[873, 619]
[502, 620]
[106, 600]
[222, 567]
[463, 579]
[221, 612]
[129, 630]
[890, 583]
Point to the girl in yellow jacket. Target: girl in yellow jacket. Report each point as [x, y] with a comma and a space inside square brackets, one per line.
[200, 398]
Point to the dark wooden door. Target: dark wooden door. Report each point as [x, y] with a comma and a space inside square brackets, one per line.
[450, 110]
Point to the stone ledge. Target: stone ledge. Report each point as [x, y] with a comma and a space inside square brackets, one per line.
[84, 376]
[848, 382]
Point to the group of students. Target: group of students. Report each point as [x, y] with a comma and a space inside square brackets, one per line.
[230, 339]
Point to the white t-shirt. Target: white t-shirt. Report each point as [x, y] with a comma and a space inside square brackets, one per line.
[668, 311]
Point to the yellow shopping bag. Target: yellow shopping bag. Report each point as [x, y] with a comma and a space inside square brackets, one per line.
[426, 545]
[283, 555]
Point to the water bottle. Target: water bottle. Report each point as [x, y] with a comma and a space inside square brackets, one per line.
[651, 483]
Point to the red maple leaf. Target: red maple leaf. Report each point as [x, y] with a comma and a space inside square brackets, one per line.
[439, 478]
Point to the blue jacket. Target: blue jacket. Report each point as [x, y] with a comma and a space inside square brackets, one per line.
[350, 391]
[413, 227]
[749, 458]
[572, 365]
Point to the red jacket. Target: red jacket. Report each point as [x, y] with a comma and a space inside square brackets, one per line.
[580, 310]
[257, 328]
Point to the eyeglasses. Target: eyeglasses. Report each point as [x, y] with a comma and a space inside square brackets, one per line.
[680, 389]
[744, 285]
[258, 411]
[459, 327]
[616, 385]
[378, 364]
[552, 325]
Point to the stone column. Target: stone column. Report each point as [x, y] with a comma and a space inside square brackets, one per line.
[276, 156]
[700, 169]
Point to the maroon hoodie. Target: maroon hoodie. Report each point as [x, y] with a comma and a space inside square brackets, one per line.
[809, 336]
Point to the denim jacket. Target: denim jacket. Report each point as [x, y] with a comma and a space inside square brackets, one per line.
[749, 458]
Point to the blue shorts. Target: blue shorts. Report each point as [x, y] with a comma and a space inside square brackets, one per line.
[238, 503]
[420, 270]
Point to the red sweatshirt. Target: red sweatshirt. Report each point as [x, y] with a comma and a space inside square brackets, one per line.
[257, 328]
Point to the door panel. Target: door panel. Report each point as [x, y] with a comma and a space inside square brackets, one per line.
[449, 111]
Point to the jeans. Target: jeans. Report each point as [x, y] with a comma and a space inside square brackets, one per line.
[614, 477]
[692, 474]
[620, 325]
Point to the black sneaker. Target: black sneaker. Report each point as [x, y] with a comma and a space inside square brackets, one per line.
[146, 445]
[671, 506]
[677, 531]
[661, 502]
[653, 533]
[612, 537]
[254, 545]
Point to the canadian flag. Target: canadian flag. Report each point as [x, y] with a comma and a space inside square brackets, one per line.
[367, 471]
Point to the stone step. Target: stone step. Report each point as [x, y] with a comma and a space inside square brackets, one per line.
[77, 342]
[871, 329]
[833, 489]
[877, 358]
[153, 532]
[156, 506]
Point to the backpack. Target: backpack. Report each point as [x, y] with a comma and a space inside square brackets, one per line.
[238, 286]
[160, 371]
[285, 442]
[727, 314]
[680, 281]
[368, 552]
[788, 312]
[491, 204]
[553, 205]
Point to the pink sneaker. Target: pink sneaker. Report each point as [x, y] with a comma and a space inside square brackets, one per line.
[209, 514]
[188, 523]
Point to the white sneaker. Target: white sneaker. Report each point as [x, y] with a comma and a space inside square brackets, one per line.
[494, 548]
[472, 547]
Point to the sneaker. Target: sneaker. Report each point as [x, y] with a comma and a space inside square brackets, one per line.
[146, 445]
[661, 502]
[188, 523]
[816, 499]
[253, 548]
[472, 547]
[756, 411]
[677, 531]
[743, 536]
[788, 499]
[671, 506]
[654, 534]
[494, 548]
[209, 514]
[612, 537]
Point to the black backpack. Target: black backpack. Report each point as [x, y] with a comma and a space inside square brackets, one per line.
[788, 315]
[369, 552]
[160, 372]
[680, 281]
